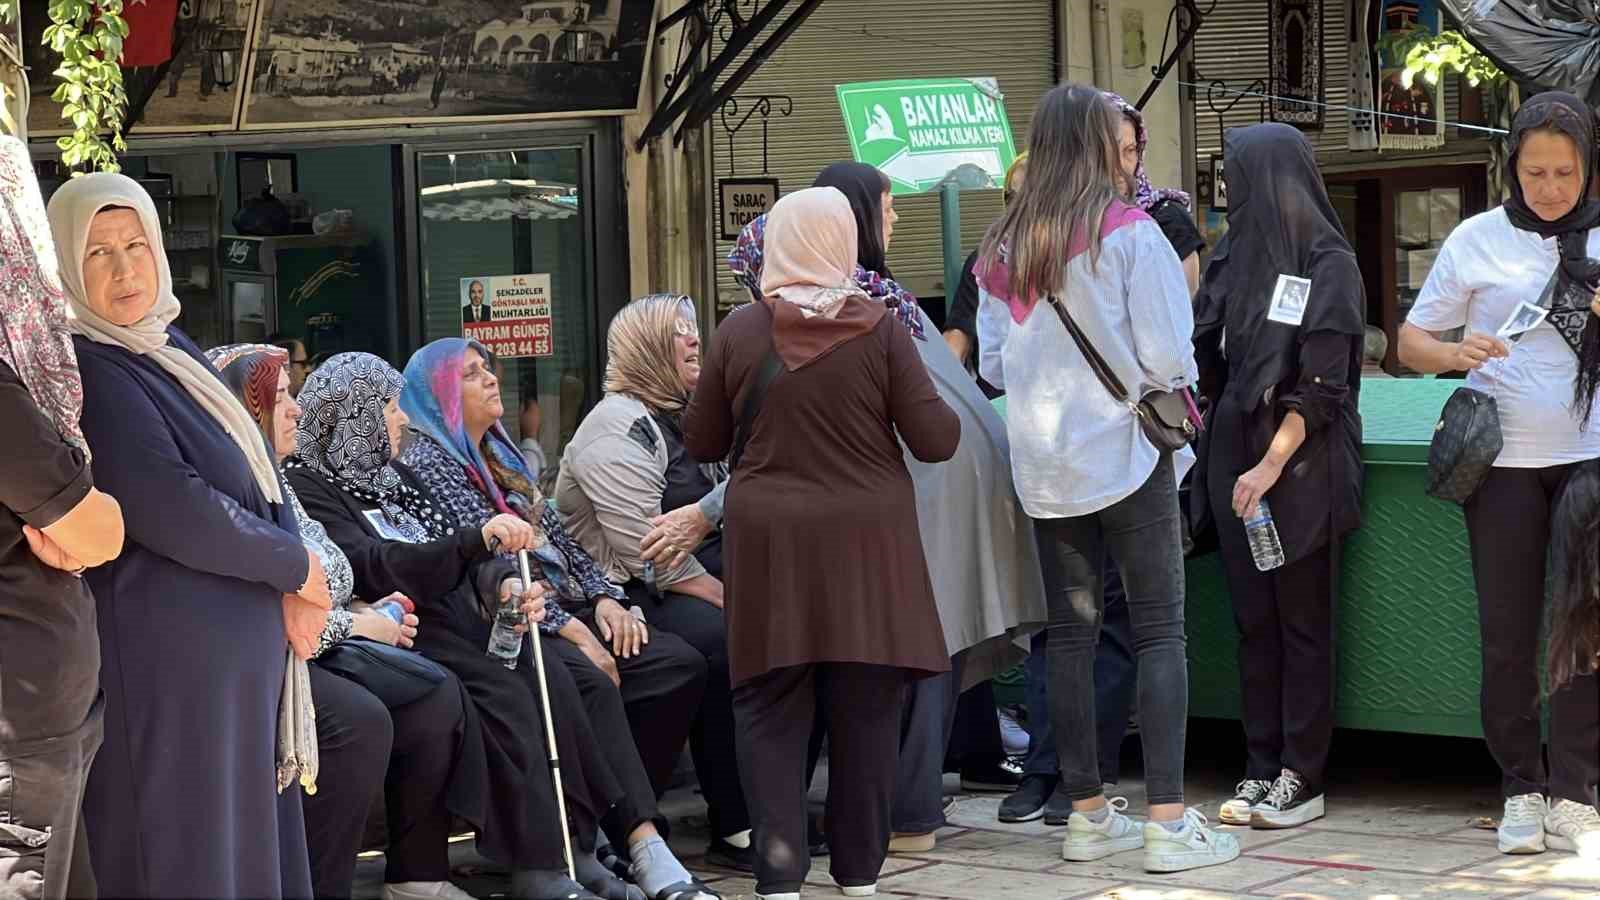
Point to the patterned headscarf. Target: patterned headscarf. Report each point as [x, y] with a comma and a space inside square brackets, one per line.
[34, 340]
[432, 399]
[343, 436]
[641, 349]
[1145, 196]
[251, 372]
[746, 259]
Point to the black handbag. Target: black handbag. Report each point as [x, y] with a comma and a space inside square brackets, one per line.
[1165, 416]
[395, 676]
[1466, 442]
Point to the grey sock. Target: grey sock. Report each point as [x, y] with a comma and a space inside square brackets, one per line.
[1099, 816]
[601, 880]
[1176, 826]
[654, 867]
[545, 884]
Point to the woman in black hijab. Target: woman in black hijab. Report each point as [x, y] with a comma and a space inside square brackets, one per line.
[1285, 429]
[1538, 248]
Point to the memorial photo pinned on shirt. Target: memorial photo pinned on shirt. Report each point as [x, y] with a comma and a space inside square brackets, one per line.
[1289, 300]
[1523, 319]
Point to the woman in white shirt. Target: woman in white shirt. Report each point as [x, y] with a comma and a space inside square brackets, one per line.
[1083, 467]
[1536, 248]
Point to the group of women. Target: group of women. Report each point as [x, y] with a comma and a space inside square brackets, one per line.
[821, 529]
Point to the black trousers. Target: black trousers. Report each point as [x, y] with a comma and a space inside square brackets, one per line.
[711, 738]
[775, 713]
[407, 752]
[44, 849]
[1285, 620]
[1508, 525]
[642, 726]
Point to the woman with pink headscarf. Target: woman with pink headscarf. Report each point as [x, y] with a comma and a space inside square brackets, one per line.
[828, 601]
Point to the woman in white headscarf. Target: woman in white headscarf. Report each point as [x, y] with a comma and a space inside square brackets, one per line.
[197, 617]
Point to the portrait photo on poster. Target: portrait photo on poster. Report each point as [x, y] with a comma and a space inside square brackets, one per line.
[1524, 318]
[1289, 300]
[509, 314]
[475, 304]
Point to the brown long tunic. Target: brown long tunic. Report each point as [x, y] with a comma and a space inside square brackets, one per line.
[822, 557]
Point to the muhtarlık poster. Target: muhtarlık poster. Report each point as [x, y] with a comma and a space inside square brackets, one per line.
[183, 63]
[370, 61]
[509, 314]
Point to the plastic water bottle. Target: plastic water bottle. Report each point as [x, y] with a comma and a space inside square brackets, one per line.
[505, 644]
[1262, 533]
[395, 609]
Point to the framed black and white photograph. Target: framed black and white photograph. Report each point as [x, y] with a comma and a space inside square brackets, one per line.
[1289, 298]
[1219, 185]
[329, 62]
[1524, 318]
[183, 64]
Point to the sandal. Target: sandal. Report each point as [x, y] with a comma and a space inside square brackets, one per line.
[688, 890]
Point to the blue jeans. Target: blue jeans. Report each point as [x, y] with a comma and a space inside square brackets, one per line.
[1116, 677]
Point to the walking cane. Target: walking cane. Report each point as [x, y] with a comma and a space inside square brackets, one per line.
[549, 724]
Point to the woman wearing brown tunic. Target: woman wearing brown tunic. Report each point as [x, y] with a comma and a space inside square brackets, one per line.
[828, 601]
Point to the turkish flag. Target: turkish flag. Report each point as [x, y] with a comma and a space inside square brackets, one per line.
[150, 24]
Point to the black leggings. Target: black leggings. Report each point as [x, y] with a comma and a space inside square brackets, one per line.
[1508, 524]
[363, 746]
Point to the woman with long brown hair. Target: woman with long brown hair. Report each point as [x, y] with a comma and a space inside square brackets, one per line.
[1069, 247]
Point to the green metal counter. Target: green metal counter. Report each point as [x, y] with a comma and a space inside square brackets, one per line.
[1408, 653]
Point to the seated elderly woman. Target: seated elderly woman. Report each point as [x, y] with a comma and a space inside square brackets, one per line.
[625, 466]
[413, 717]
[472, 468]
[397, 534]
[213, 588]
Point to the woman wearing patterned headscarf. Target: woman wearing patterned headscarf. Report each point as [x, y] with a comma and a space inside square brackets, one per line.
[214, 588]
[420, 734]
[399, 536]
[53, 524]
[474, 470]
[625, 466]
[1170, 208]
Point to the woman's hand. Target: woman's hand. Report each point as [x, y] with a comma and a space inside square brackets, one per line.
[626, 633]
[316, 590]
[1478, 349]
[1253, 485]
[50, 553]
[675, 535]
[531, 600]
[1594, 303]
[303, 622]
[512, 533]
[584, 639]
[374, 625]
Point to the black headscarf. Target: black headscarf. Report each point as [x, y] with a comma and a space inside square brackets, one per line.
[1579, 274]
[1280, 221]
[863, 186]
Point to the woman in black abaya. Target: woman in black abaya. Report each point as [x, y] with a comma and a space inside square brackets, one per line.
[1285, 428]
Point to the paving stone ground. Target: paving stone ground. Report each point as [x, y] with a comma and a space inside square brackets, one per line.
[1405, 819]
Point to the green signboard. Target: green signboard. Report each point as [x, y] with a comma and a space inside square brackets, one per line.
[927, 133]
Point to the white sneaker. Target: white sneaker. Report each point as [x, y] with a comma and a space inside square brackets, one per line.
[860, 890]
[1574, 827]
[1088, 841]
[424, 890]
[1289, 804]
[1195, 847]
[1238, 810]
[1522, 826]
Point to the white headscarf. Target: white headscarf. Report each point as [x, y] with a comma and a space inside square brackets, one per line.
[72, 210]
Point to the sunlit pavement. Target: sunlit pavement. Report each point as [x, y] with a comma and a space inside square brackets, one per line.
[1406, 818]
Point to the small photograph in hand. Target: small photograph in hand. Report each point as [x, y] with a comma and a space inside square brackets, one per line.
[1523, 319]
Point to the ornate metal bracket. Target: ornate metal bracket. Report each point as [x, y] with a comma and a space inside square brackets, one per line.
[1185, 18]
[1218, 88]
[763, 105]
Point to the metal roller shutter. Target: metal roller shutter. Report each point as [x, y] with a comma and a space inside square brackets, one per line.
[1232, 47]
[854, 40]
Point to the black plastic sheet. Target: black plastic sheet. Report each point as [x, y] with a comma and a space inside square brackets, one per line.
[1544, 44]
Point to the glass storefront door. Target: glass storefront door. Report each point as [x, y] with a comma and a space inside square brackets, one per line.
[505, 257]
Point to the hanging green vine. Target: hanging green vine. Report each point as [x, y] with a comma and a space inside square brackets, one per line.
[88, 37]
[1429, 55]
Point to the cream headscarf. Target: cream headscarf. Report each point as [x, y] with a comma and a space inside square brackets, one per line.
[641, 349]
[811, 252]
[72, 209]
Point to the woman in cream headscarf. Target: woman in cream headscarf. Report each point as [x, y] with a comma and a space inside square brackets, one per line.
[829, 605]
[187, 797]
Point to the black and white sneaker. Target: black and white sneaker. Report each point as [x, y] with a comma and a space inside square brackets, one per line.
[1243, 805]
[1289, 804]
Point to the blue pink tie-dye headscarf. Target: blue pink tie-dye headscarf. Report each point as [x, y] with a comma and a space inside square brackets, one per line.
[432, 400]
[746, 259]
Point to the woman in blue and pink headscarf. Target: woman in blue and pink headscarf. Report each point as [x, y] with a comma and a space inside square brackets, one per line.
[474, 471]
